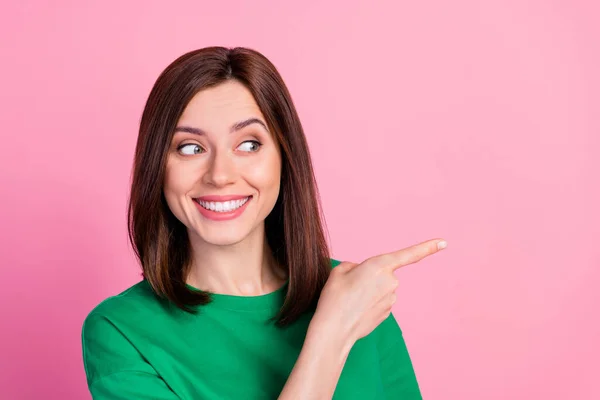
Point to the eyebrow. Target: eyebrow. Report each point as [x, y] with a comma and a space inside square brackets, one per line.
[235, 127]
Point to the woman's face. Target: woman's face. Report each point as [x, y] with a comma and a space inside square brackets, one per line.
[224, 167]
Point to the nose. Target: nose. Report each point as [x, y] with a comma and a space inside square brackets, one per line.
[221, 171]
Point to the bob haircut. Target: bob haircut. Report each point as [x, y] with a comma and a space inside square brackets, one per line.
[294, 228]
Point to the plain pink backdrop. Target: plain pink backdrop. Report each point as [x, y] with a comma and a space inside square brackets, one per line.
[476, 121]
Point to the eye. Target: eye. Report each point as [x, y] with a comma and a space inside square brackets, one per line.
[189, 149]
[251, 146]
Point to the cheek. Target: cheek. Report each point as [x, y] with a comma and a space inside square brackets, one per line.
[177, 182]
[266, 175]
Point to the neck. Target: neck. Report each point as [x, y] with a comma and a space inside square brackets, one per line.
[246, 268]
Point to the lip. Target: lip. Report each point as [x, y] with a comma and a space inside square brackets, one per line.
[222, 216]
[222, 198]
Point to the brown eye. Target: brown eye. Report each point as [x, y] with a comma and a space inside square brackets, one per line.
[190, 149]
[251, 146]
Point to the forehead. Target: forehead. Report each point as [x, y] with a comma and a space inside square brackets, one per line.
[221, 105]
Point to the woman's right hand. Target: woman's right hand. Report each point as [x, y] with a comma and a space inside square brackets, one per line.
[358, 297]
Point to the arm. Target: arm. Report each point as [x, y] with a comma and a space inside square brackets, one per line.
[358, 299]
[397, 371]
[319, 366]
[115, 370]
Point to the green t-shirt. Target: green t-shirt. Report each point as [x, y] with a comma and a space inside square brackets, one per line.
[136, 346]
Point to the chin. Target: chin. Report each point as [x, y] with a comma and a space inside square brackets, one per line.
[222, 235]
[222, 239]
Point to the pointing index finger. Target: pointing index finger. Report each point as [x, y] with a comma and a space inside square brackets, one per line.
[413, 254]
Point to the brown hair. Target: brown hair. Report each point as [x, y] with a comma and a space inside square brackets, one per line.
[294, 228]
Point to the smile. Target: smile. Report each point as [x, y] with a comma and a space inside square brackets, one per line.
[223, 206]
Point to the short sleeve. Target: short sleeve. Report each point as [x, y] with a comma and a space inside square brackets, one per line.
[397, 371]
[114, 369]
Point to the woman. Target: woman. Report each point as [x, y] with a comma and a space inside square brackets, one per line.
[239, 299]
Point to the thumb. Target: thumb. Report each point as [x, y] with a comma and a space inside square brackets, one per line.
[345, 266]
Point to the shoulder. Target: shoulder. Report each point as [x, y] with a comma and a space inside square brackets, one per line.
[111, 329]
[135, 305]
[334, 262]
[128, 301]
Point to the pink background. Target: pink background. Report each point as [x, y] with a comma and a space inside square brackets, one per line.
[476, 121]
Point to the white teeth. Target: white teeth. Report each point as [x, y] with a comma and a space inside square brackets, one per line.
[223, 206]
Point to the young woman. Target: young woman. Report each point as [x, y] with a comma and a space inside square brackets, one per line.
[239, 298]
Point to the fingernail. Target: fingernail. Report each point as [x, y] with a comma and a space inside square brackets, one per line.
[442, 245]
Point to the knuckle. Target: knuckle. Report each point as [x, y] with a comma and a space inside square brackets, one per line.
[391, 281]
[380, 260]
[385, 258]
[379, 272]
